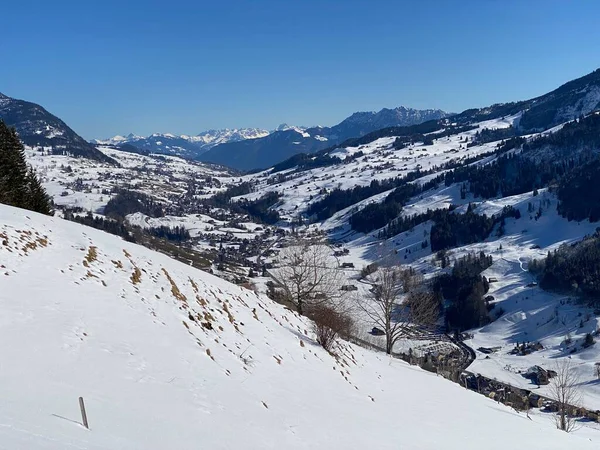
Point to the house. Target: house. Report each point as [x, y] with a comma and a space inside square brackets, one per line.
[539, 375]
[377, 332]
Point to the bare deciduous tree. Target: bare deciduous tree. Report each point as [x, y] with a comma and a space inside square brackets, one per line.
[398, 301]
[564, 389]
[308, 275]
[329, 323]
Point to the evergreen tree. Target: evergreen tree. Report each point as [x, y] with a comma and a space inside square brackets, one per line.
[19, 185]
[37, 198]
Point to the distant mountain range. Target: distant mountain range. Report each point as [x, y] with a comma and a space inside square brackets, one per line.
[39, 128]
[572, 100]
[249, 148]
[252, 148]
[182, 145]
[288, 141]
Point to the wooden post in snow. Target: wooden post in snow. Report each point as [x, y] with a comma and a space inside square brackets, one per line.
[83, 414]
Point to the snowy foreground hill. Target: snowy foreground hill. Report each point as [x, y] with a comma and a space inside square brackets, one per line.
[167, 356]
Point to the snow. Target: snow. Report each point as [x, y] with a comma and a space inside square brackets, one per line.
[204, 140]
[585, 105]
[157, 176]
[530, 314]
[194, 223]
[152, 378]
[380, 161]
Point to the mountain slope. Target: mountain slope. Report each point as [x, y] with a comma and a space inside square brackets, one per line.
[575, 98]
[185, 146]
[39, 128]
[263, 152]
[544, 114]
[282, 144]
[170, 357]
[361, 123]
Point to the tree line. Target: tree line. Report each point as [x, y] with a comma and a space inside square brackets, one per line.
[464, 289]
[377, 215]
[572, 268]
[177, 233]
[128, 202]
[259, 209]
[578, 193]
[454, 230]
[112, 226]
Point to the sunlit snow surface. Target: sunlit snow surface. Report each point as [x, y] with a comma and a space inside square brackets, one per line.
[87, 314]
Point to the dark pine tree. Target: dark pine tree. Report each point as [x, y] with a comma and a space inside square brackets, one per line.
[19, 185]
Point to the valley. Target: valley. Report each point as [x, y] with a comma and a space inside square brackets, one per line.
[478, 218]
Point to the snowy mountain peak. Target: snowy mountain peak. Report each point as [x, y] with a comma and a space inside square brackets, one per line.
[4, 100]
[286, 127]
[281, 144]
[187, 146]
[400, 114]
[231, 135]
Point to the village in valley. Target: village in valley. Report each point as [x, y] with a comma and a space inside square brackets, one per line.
[275, 251]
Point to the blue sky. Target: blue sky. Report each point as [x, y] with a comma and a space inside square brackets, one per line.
[114, 67]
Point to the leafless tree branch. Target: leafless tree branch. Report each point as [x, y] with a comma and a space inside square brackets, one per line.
[398, 301]
[564, 389]
[308, 275]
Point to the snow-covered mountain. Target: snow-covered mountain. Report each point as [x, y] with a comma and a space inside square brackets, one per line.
[361, 123]
[287, 140]
[40, 129]
[396, 195]
[577, 97]
[185, 146]
[286, 127]
[167, 356]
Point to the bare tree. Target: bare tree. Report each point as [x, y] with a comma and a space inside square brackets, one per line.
[308, 275]
[397, 302]
[564, 389]
[329, 323]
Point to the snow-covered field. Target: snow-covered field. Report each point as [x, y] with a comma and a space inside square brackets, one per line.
[89, 185]
[380, 162]
[260, 352]
[79, 182]
[529, 313]
[167, 356]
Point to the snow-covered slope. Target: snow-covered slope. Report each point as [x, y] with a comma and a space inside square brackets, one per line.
[79, 182]
[166, 356]
[524, 312]
[377, 160]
